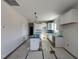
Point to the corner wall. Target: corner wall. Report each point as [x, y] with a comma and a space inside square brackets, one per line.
[14, 28]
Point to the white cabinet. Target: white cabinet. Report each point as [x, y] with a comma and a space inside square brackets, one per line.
[69, 17]
[34, 43]
[59, 42]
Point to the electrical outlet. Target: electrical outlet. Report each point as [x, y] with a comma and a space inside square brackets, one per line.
[67, 44]
[3, 26]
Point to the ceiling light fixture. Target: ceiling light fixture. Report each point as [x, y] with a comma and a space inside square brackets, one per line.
[35, 16]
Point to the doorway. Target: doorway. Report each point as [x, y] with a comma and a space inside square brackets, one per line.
[31, 28]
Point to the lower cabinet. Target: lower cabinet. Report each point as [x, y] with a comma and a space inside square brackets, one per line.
[70, 17]
[59, 42]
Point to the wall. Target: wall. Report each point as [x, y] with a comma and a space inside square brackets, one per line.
[70, 33]
[14, 28]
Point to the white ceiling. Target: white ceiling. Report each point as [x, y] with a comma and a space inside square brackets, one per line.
[46, 9]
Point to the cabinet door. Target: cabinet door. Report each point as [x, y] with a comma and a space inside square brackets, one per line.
[62, 19]
[70, 17]
[34, 43]
[59, 42]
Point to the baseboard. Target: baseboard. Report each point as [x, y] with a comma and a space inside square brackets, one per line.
[14, 50]
[70, 53]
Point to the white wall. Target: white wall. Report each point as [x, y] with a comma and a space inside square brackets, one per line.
[14, 28]
[70, 33]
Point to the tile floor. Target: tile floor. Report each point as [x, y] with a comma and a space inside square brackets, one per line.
[60, 52]
[22, 51]
[35, 55]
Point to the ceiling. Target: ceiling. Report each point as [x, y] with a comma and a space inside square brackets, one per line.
[46, 9]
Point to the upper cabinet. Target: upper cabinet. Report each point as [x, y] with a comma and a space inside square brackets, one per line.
[69, 17]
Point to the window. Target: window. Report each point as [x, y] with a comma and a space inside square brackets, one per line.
[52, 26]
